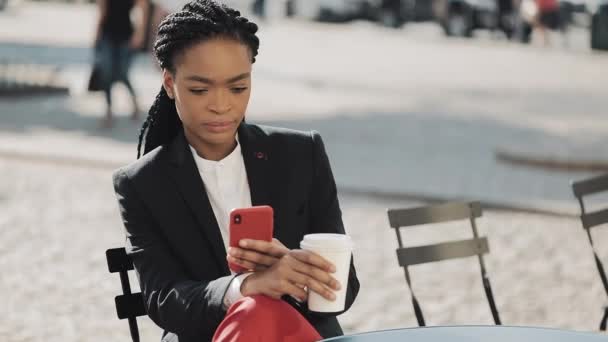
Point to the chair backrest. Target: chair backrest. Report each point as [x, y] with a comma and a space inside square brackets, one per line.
[407, 256]
[128, 305]
[401, 218]
[592, 219]
[589, 187]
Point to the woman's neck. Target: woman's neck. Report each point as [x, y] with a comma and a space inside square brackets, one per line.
[215, 152]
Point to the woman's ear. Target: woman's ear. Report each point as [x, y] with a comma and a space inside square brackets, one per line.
[169, 83]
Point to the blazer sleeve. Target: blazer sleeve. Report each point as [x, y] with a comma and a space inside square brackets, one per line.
[326, 216]
[173, 300]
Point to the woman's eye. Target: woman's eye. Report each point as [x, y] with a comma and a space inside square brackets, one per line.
[198, 91]
[238, 90]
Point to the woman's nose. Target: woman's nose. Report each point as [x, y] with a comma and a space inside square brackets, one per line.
[220, 102]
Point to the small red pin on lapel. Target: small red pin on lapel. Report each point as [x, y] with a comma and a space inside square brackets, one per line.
[261, 155]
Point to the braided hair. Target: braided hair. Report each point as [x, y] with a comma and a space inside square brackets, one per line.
[198, 21]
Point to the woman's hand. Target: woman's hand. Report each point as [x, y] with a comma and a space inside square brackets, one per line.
[256, 255]
[291, 274]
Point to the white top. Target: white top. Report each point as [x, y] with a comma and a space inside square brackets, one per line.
[226, 185]
[227, 188]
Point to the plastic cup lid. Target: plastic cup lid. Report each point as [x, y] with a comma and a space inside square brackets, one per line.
[327, 241]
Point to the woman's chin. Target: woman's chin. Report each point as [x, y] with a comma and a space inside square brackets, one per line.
[219, 138]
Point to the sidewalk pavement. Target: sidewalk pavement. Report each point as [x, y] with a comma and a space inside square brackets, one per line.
[57, 221]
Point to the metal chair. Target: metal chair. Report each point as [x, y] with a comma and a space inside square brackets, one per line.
[407, 256]
[593, 219]
[128, 305]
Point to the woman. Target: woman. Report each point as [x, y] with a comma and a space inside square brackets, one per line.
[547, 18]
[115, 41]
[200, 159]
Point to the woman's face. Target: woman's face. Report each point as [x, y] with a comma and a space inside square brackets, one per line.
[211, 87]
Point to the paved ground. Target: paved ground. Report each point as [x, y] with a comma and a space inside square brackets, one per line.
[405, 112]
[58, 220]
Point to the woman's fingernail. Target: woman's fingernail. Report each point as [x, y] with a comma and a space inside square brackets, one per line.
[332, 268]
[243, 243]
[337, 285]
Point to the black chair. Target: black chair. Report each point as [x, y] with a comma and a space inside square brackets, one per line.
[593, 219]
[128, 305]
[408, 256]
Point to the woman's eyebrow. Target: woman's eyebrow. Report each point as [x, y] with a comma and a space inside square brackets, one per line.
[239, 77]
[211, 81]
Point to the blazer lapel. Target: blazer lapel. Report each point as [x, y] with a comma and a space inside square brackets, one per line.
[191, 186]
[257, 158]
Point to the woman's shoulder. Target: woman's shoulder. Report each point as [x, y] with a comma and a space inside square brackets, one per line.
[145, 165]
[285, 135]
[288, 142]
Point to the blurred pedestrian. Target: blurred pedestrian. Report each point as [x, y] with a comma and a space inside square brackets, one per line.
[116, 40]
[547, 18]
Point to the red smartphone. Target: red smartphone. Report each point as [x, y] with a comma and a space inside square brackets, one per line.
[255, 223]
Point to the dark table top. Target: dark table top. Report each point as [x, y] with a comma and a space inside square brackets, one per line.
[474, 334]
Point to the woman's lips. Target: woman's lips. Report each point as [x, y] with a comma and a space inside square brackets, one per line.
[219, 126]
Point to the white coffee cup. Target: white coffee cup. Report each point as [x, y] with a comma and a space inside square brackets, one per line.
[337, 249]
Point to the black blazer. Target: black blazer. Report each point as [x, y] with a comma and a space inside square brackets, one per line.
[174, 239]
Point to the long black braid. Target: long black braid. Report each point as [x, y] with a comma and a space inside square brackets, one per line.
[198, 21]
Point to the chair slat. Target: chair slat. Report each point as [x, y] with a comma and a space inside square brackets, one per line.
[118, 260]
[590, 186]
[433, 214]
[131, 305]
[442, 251]
[594, 218]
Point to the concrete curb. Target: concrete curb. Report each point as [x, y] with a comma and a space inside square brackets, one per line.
[416, 197]
[551, 164]
[24, 90]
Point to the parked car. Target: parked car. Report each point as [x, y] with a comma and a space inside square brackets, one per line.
[461, 17]
[327, 10]
[390, 13]
[422, 10]
[395, 13]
